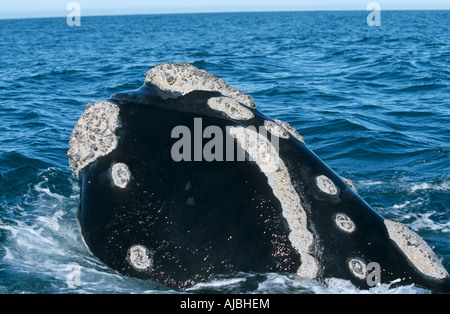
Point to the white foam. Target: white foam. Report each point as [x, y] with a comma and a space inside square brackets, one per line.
[400, 206]
[369, 182]
[274, 283]
[411, 213]
[424, 221]
[443, 186]
[38, 188]
[52, 222]
[217, 283]
[341, 286]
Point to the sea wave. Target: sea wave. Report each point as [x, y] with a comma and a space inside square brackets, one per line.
[275, 283]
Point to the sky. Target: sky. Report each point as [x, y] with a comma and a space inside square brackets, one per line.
[53, 8]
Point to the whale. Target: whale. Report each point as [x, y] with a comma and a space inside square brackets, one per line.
[184, 179]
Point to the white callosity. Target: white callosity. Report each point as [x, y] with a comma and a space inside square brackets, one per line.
[416, 250]
[230, 107]
[350, 183]
[94, 135]
[344, 223]
[266, 157]
[291, 130]
[358, 268]
[326, 185]
[140, 258]
[173, 80]
[120, 174]
[276, 129]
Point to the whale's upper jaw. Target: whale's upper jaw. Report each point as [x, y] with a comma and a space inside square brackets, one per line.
[185, 88]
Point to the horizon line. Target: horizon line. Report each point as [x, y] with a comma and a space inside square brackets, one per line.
[209, 12]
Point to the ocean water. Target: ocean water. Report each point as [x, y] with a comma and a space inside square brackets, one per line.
[372, 102]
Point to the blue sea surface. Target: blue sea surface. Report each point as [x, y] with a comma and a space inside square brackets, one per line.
[372, 102]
